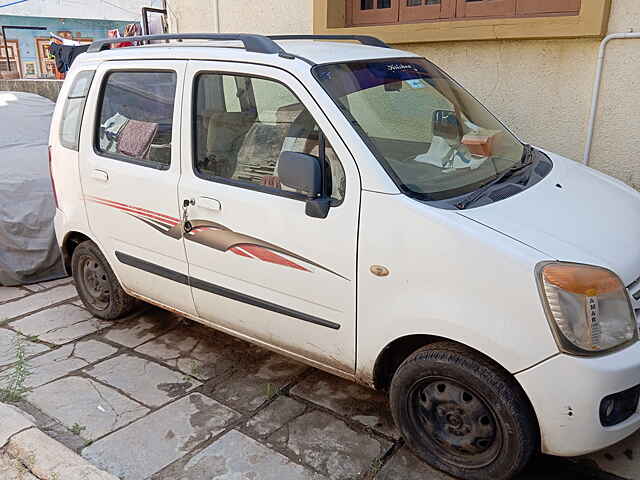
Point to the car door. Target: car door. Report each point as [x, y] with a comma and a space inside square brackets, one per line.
[130, 170]
[259, 265]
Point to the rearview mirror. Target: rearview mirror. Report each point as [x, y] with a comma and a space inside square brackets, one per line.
[300, 172]
[303, 173]
[446, 124]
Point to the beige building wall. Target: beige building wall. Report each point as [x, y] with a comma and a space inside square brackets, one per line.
[239, 16]
[541, 89]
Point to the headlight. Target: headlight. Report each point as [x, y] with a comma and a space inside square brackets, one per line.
[588, 307]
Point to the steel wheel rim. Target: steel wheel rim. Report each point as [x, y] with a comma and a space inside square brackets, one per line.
[95, 282]
[455, 421]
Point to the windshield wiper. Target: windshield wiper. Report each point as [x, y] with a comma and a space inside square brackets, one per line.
[525, 162]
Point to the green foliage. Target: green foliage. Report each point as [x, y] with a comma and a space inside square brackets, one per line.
[12, 382]
[77, 428]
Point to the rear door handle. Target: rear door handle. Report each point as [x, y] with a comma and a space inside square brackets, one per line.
[100, 175]
[209, 203]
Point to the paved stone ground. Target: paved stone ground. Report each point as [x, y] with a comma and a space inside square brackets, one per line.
[157, 397]
[13, 469]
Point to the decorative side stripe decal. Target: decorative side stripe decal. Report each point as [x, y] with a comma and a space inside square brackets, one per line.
[221, 291]
[111, 203]
[216, 236]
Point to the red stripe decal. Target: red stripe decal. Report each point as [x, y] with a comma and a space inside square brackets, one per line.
[104, 200]
[204, 229]
[237, 251]
[131, 210]
[271, 257]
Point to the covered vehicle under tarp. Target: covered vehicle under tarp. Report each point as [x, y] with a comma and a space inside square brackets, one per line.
[29, 252]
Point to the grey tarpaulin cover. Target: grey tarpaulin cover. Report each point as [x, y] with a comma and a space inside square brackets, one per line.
[28, 250]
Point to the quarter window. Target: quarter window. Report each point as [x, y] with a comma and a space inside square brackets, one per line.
[74, 109]
[136, 117]
[243, 124]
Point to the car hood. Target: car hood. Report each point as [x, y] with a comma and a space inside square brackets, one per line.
[575, 214]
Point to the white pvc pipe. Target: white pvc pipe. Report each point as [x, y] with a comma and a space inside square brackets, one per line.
[596, 89]
[217, 10]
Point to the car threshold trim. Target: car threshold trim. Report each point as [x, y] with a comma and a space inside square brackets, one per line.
[221, 291]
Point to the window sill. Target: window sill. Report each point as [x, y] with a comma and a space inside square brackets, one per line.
[329, 18]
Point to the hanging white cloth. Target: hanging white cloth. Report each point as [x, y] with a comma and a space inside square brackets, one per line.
[65, 41]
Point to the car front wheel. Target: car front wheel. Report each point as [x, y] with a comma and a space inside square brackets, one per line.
[462, 414]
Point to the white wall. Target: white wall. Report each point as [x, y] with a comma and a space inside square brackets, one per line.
[239, 16]
[90, 9]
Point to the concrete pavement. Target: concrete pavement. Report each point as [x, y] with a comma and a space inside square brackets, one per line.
[158, 397]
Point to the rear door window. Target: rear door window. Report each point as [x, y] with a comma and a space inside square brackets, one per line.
[136, 117]
[74, 109]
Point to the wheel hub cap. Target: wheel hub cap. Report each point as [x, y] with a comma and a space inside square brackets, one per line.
[458, 421]
[95, 283]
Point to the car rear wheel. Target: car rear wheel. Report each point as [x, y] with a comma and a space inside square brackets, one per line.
[463, 415]
[97, 285]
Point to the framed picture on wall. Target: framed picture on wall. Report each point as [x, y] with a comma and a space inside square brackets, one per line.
[30, 70]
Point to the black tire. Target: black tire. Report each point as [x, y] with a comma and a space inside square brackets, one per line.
[462, 414]
[97, 285]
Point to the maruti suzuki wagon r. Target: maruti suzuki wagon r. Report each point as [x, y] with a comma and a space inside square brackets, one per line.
[354, 208]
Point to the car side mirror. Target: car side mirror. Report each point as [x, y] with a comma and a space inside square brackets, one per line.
[446, 124]
[303, 173]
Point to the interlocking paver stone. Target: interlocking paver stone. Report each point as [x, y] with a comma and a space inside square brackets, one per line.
[142, 328]
[11, 293]
[95, 409]
[404, 465]
[61, 362]
[155, 441]
[329, 445]
[621, 459]
[13, 469]
[201, 352]
[38, 287]
[8, 340]
[146, 381]
[36, 302]
[12, 421]
[235, 456]
[59, 325]
[257, 377]
[281, 411]
[349, 399]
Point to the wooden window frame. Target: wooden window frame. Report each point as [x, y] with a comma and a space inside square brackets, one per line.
[426, 12]
[375, 16]
[47, 65]
[400, 12]
[14, 55]
[486, 8]
[548, 7]
[332, 17]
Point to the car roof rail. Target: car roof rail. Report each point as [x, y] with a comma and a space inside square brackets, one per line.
[363, 39]
[252, 43]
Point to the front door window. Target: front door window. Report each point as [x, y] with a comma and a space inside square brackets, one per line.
[243, 126]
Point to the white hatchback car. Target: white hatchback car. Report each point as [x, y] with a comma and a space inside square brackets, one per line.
[353, 207]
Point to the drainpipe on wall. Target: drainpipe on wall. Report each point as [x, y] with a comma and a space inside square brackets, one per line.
[216, 9]
[596, 88]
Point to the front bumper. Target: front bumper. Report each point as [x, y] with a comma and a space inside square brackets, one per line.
[566, 393]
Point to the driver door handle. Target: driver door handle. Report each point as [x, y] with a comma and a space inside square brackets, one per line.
[100, 175]
[209, 203]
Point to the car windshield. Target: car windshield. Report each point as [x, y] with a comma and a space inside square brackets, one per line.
[435, 140]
